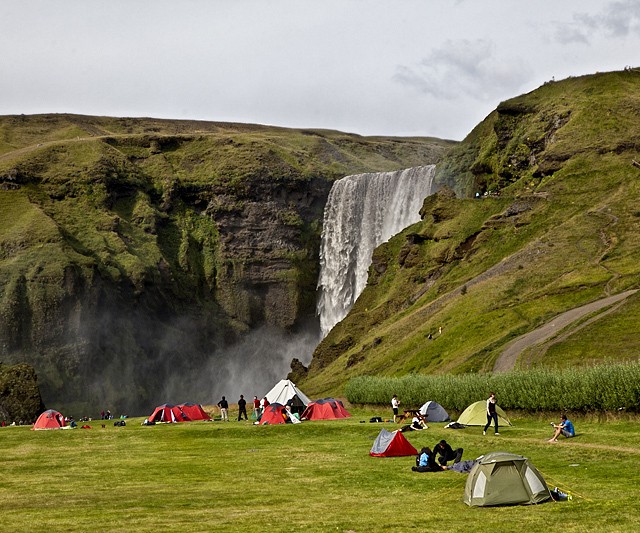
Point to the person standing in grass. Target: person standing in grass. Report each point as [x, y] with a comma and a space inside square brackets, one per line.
[565, 427]
[242, 408]
[394, 405]
[256, 407]
[491, 413]
[224, 409]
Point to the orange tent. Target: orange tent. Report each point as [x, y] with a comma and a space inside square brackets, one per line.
[274, 413]
[325, 409]
[49, 420]
[193, 411]
[185, 412]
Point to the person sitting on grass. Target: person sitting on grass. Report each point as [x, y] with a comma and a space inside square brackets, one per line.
[446, 453]
[418, 422]
[426, 462]
[565, 427]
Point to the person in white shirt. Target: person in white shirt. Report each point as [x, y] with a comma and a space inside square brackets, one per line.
[394, 405]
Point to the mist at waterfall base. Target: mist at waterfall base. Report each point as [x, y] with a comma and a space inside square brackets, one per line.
[250, 367]
[175, 362]
[362, 212]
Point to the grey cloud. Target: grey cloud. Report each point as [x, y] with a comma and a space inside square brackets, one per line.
[621, 18]
[616, 19]
[464, 68]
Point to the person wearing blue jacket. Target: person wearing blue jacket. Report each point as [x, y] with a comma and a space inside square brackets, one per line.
[426, 462]
[565, 427]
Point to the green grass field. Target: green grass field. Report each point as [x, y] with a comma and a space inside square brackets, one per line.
[315, 476]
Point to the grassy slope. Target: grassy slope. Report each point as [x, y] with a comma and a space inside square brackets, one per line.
[564, 231]
[312, 477]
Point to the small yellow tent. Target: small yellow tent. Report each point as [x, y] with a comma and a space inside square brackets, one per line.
[476, 415]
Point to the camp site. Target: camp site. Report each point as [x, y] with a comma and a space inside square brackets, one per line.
[188, 471]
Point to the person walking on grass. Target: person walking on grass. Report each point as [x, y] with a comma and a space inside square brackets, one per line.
[395, 403]
[491, 413]
[224, 409]
[242, 408]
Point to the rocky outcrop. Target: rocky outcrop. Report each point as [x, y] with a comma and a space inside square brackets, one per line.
[20, 400]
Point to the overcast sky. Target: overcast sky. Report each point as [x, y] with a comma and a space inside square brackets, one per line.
[373, 67]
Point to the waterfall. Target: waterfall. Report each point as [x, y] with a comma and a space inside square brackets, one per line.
[362, 212]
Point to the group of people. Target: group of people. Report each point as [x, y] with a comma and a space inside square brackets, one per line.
[258, 408]
[565, 427]
[426, 460]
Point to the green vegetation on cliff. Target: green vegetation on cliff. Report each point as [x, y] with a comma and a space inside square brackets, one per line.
[557, 228]
[132, 247]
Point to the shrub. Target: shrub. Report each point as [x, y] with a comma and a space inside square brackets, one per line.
[600, 388]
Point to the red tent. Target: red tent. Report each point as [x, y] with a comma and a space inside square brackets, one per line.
[49, 420]
[392, 444]
[325, 409]
[167, 413]
[193, 411]
[274, 413]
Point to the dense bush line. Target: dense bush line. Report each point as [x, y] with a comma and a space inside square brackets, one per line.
[600, 388]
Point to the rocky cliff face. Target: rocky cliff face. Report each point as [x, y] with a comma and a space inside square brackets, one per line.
[136, 254]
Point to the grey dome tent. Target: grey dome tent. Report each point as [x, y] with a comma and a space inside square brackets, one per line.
[501, 478]
[434, 412]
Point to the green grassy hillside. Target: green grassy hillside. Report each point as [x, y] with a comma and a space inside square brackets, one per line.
[556, 225]
[131, 247]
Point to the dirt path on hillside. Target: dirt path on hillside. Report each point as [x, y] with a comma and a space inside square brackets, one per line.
[507, 359]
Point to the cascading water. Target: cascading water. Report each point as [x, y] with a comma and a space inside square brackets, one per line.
[362, 212]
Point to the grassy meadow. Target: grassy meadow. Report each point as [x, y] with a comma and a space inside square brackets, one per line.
[315, 476]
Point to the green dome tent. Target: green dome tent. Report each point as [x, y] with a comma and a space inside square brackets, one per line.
[476, 415]
[501, 478]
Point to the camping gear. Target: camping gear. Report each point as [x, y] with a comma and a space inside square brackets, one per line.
[185, 412]
[434, 412]
[325, 409]
[476, 415]
[166, 413]
[276, 413]
[391, 444]
[286, 393]
[193, 411]
[50, 419]
[501, 478]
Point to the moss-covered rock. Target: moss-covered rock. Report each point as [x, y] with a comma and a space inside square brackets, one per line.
[20, 399]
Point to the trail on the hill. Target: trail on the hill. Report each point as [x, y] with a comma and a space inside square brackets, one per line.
[507, 359]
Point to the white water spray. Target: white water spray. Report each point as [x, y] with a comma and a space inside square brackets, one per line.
[362, 212]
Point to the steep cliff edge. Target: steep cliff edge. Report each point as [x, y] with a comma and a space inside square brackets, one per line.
[134, 250]
[555, 226]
